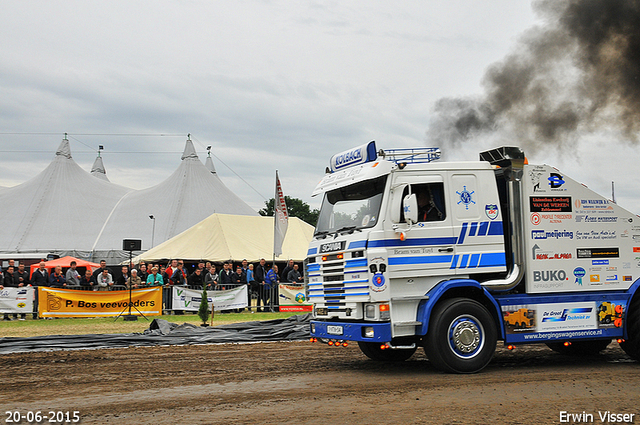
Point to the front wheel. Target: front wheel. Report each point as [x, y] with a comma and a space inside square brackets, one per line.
[374, 352]
[462, 336]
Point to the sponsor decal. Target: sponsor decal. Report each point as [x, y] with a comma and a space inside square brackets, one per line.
[491, 210]
[599, 262]
[535, 175]
[579, 273]
[550, 204]
[595, 219]
[549, 255]
[593, 204]
[554, 234]
[535, 218]
[636, 249]
[581, 313]
[627, 278]
[555, 180]
[594, 278]
[549, 276]
[466, 197]
[596, 235]
[598, 253]
[378, 282]
[611, 278]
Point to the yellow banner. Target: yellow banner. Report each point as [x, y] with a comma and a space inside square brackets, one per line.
[54, 302]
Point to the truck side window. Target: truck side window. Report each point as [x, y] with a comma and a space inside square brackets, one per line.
[430, 201]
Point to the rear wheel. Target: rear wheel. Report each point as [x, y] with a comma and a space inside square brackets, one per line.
[580, 348]
[374, 352]
[462, 336]
[632, 345]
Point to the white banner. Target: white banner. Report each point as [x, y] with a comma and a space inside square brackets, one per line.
[280, 217]
[292, 298]
[189, 299]
[16, 300]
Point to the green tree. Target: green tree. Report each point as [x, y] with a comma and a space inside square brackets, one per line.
[203, 311]
[295, 207]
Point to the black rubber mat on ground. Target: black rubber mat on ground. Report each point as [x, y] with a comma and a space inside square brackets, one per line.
[161, 332]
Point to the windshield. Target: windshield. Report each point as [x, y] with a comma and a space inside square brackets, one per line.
[352, 207]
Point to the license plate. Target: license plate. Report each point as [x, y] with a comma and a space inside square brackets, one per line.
[334, 330]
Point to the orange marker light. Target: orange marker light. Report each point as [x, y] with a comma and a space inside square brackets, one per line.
[511, 347]
[620, 340]
[384, 307]
[567, 343]
[403, 236]
[324, 258]
[344, 344]
[330, 343]
[340, 256]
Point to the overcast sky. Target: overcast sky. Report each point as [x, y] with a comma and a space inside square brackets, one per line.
[268, 84]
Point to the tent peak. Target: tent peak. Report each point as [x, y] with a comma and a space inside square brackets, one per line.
[189, 150]
[64, 149]
[98, 169]
[209, 164]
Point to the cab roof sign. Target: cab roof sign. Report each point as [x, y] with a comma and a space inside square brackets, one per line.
[353, 156]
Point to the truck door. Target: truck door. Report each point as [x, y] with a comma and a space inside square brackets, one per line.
[428, 247]
[477, 223]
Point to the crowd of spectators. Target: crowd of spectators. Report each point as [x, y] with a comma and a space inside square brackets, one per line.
[260, 279]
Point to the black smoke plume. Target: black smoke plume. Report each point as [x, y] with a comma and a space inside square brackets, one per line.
[577, 73]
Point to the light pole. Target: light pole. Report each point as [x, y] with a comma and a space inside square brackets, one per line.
[153, 229]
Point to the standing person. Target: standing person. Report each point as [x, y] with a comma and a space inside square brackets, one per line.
[104, 280]
[22, 276]
[142, 274]
[155, 278]
[97, 272]
[196, 278]
[173, 266]
[271, 285]
[124, 277]
[252, 285]
[260, 277]
[86, 281]
[72, 275]
[284, 277]
[225, 275]
[211, 278]
[40, 277]
[134, 280]
[9, 282]
[165, 276]
[294, 275]
[178, 277]
[56, 279]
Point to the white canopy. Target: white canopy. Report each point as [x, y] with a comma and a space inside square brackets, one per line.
[222, 237]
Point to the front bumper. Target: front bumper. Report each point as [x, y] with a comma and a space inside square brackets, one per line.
[351, 331]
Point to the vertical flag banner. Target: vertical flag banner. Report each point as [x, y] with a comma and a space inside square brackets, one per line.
[280, 218]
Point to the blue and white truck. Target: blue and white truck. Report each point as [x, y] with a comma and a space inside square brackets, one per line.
[412, 252]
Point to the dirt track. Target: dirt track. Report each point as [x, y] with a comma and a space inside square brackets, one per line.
[303, 382]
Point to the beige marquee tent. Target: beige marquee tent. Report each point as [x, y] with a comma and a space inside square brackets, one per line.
[221, 237]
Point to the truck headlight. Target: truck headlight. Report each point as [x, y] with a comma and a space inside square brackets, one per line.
[367, 332]
[313, 328]
[370, 311]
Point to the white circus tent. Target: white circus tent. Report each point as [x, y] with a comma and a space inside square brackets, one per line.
[189, 195]
[66, 210]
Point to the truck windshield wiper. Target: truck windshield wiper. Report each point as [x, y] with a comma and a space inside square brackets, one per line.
[349, 229]
[321, 234]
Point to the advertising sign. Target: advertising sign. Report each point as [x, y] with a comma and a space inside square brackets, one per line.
[16, 300]
[292, 298]
[189, 299]
[55, 302]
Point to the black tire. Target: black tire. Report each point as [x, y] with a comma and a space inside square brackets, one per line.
[631, 345]
[580, 348]
[462, 336]
[373, 351]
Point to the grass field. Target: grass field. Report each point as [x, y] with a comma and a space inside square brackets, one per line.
[105, 325]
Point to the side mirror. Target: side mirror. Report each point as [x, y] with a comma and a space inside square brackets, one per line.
[410, 208]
